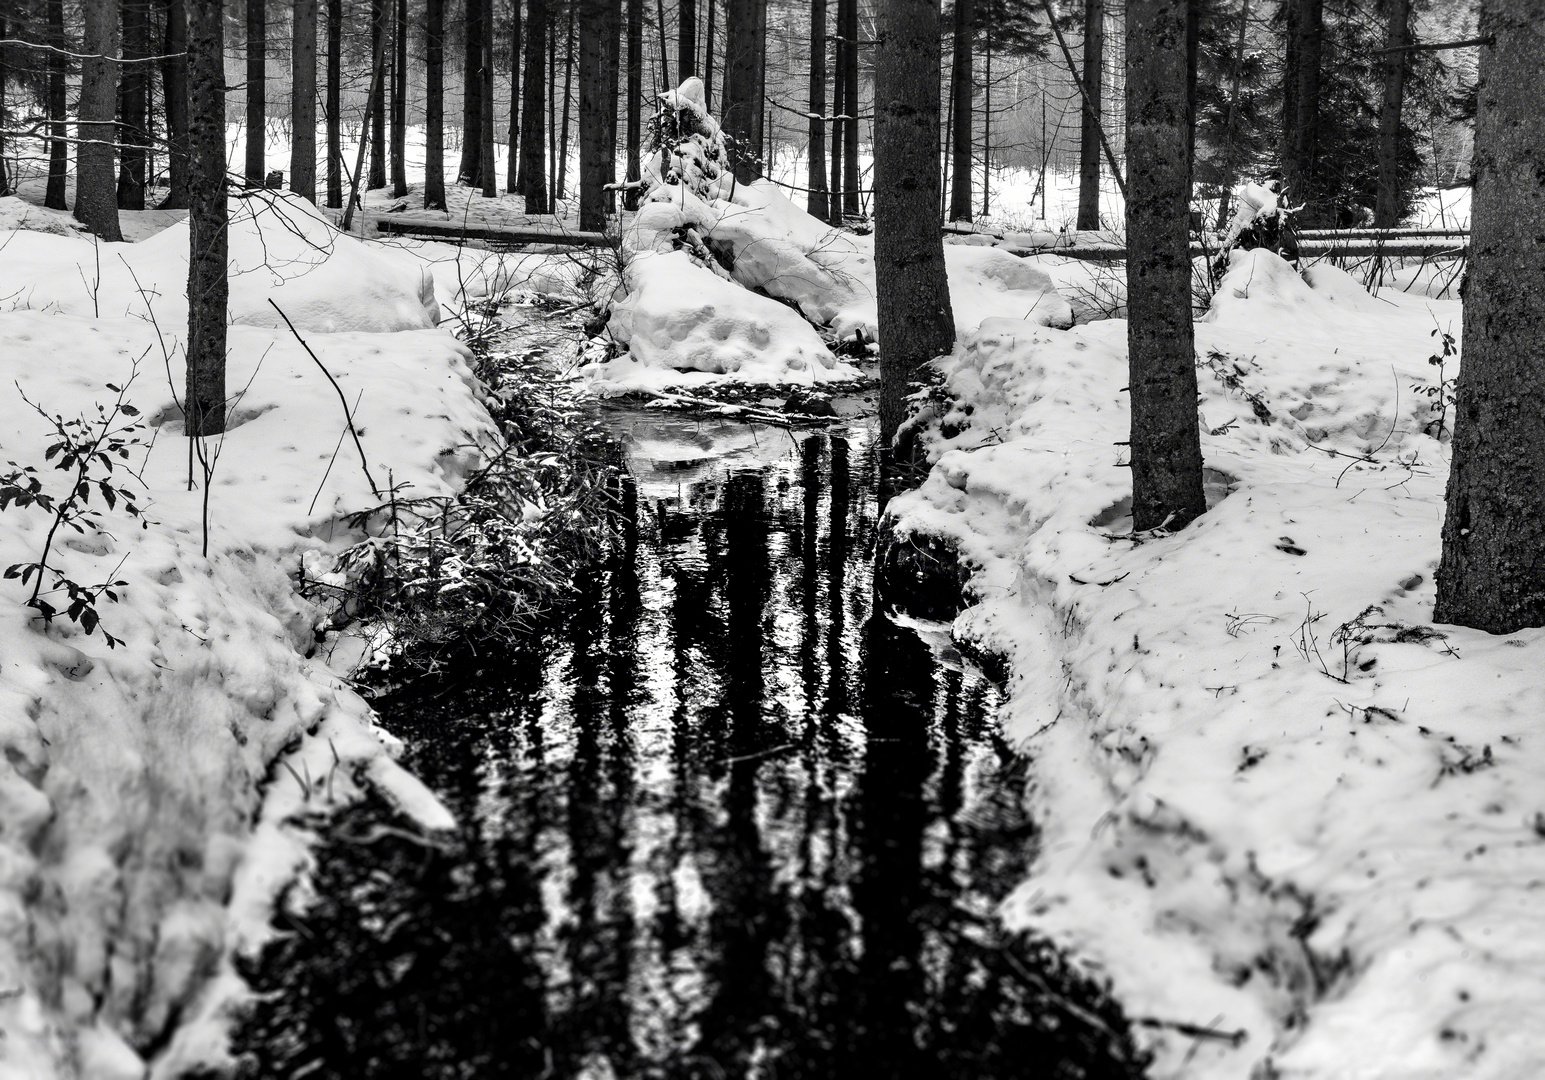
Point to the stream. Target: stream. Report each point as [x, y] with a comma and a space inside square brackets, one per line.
[728, 821]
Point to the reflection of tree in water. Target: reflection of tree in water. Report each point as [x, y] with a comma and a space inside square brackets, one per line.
[733, 825]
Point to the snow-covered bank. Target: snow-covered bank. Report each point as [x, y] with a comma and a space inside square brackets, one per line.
[156, 795]
[1297, 826]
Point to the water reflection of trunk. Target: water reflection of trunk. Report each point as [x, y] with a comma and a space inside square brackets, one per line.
[837, 565]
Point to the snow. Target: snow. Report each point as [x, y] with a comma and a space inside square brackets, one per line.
[156, 796]
[1276, 800]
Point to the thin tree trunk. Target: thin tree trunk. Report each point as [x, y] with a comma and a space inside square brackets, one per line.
[174, 90]
[400, 100]
[1089, 131]
[1165, 444]
[1230, 136]
[533, 154]
[686, 39]
[96, 194]
[838, 128]
[561, 144]
[471, 87]
[335, 103]
[489, 165]
[708, 47]
[134, 106]
[373, 98]
[961, 123]
[1386, 213]
[303, 101]
[816, 203]
[58, 148]
[434, 105]
[380, 35]
[5, 182]
[552, 108]
[1491, 575]
[208, 288]
[665, 64]
[911, 290]
[1301, 106]
[256, 170]
[512, 172]
[986, 116]
[743, 54]
[635, 98]
[850, 203]
[596, 100]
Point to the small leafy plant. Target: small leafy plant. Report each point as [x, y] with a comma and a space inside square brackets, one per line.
[93, 452]
[1441, 393]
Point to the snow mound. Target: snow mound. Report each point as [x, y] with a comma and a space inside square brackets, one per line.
[987, 282]
[17, 213]
[281, 249]
[677, 315]
[1334, 284]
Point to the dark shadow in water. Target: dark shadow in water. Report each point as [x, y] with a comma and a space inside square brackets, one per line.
[729, 824]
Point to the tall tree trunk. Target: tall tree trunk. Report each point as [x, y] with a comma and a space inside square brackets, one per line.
[1386, 212]
[512, 174]
[743, 55]
[838, 128]
[552, 108]
[5, 73]
[986, 116]
[686, 40]
[490, 166]
[208, 288]
[963, 128]
[335, 103]
[596, 100]
[380, 31]
[816, 203]
[434, 105]
[134, 105]
[400, 100]
[635, 31]
[1166, 449]
[256, 169]
[96, 194]
[303, 100]
[1491, 575]
[533, 152]
[850, 201]
[471, 87]
[1230, 135]
[708, 47]
[911, 291]
[1301, 105]
[174, 89]
[1089, 130]
[561, 144]
[58, 131]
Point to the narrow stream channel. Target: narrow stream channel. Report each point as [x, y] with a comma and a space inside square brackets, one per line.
[730, 823]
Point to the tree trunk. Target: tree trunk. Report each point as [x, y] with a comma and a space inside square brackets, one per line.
[1301, 105]
[850, 170]
[400, 100]
[1230, 136]
[489, 164]
[335, 103]
[708, 47]
[743, 55]
[533, 152]
[256, 169]
[134, 105]
[561, 144]
[597, 100]
[1386, 212]
[962, 128]
[816, 203]
[303, 101]
[5, 182]
[1166, 449]
[912, 293]
[58, 131]
[96, 194]
[434, 105]
[838, 128]
[1492, 576]
[380, 29]
[686, 40]
[208, 289]
[512, 174]
[986, 116]
[174, 88]
[1089, 130]
[635, 98]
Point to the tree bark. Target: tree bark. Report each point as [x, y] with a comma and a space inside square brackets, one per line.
[1166, 448]
[533, 151]
[1230, 136]
[1492, 574]
[838, 128]
[208, 289]
[911, 290]
[512, 174]
[743, 55]
[5, 182]
[256, 169]
[561, 143]
[635, 21]
[816, 203]
[303, 100]
[134, 106]
[596, 100]
[1089, 130]
[489, 164]
[96, 189]
[399, 138]
[686, 40]
[1301, 105]
[708, 47]
[434, 105]
[335, 103]
[1386, 211]
[174, 89]
[961, 125]
[58, 130]
[380, 29]
[850, 202]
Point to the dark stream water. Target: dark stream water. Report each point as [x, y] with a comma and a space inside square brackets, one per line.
[730, 823]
